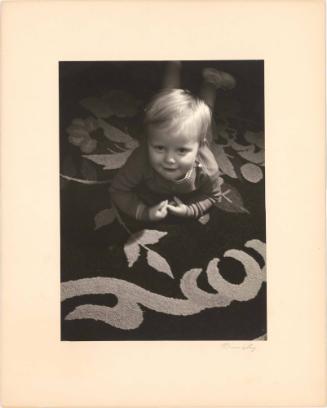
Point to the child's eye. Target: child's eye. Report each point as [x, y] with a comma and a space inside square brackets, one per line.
[182, 150]
[159, 148]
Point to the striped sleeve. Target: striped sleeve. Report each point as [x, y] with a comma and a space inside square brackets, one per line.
[208, 194]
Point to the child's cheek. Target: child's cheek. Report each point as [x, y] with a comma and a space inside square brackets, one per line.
[157, 157]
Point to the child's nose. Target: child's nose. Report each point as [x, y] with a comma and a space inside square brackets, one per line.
[169, 157]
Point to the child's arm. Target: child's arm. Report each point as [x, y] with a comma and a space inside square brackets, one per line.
[208, 194]
[122, 189]
[208, 189]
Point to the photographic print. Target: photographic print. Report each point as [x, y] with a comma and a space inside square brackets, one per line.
[162, 200]
[160, 241]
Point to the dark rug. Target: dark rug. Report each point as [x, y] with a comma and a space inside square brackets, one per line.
[174, 280]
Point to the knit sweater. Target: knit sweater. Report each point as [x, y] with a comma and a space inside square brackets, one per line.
[199, 189]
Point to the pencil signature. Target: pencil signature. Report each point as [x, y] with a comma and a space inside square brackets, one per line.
[244, 347]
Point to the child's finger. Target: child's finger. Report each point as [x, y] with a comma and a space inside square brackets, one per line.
[162, 209]
[162, 213]
[163, 204]
[178, 201]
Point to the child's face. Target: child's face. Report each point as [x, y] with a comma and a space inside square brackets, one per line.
[172, 156]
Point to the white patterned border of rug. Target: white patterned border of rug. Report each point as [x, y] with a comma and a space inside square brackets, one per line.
[127, 313]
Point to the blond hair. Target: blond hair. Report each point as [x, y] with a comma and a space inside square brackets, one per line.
[177, 111]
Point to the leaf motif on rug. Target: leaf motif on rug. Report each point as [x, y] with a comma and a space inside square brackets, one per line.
[110, 161]
[253, 153]
[231, 200]
[148, 236]
[225, 164]
[116, 135]
[256, 138]
[158, 263]
[239, 147]
[142, 239]
[132, 251]
[251, 172]
[252, 156]
[104, 217]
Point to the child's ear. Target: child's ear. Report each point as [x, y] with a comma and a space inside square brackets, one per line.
[203, 141]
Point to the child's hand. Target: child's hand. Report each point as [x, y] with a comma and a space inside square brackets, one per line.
[177, 207]
[159, 211]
